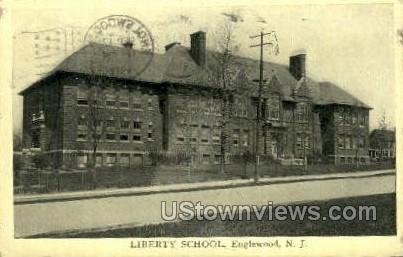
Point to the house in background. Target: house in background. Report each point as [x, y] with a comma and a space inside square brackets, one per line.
[172, 106]
[382, 143]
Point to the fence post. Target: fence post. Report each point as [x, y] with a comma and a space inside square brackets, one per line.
[20, 180]
[58, 176]
[82, 179]
[47, 182]
[120, 174]
[39, 178]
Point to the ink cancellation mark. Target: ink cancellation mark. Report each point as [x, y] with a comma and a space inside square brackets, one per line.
[128, 32]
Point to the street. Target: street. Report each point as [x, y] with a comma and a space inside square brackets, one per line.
[88, 214]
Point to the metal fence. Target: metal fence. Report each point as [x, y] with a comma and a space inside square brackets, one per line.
[44, 181]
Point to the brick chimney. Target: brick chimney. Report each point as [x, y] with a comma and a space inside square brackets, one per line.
[198, 47]
[128, 44]
[297, 66]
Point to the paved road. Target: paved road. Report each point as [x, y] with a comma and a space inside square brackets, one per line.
[38, 218]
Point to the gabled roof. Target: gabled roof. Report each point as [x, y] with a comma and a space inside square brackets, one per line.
[329, 93]
[177, 66]
[117, 62]
[383, 134]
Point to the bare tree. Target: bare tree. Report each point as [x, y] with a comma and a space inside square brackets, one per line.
[223, 73]
[382, 123]
[95, 120]
[187, 117]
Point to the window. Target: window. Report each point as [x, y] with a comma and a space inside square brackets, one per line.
[299, 141]
[110, 136]
[193, 140]
[354, 142]
[216, 139]
[82, 101]
[150, 103]
[110, 123]
[110, 159]
[110, 101]
[342, 160]
[137, 125]
[206, 158]
[82, 136]
[124, 159]
[204, 141]
[124, 124]
[349, 160]
[98, 160]
[124, 101]
[341, 116]
[347, 117]
[307, 141]
[150, 125]
[245, 140]
[180, 139]
[273, 107]
[354, 118]
[205, 126]
[81, 121]
[136, 104]
[136, 138]
[361, 142]
[192, 106]
[150, 135]
[235, 136]
[124, 104]
[302, 112]
[81, 160]
[240, 109]
[82, 98]
[361, 120]
[217, 159]
[340, 141]
[124, 137]
[348, 142]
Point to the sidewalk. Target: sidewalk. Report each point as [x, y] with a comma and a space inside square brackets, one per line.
[115, 192]
[141, 206]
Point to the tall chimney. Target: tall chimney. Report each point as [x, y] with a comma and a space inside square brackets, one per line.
[198, 47]
[297, 66]
[128, 44]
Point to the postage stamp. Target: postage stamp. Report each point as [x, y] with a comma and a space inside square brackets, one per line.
[212, 128]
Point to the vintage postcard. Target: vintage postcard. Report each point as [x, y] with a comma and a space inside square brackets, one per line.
[221, 128]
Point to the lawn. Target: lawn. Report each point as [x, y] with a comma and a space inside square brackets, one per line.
[384, 225]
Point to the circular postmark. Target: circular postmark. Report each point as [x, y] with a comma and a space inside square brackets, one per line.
[126, 32]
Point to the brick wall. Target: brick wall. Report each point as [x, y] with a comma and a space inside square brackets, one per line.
[182, 119]
[143, 107]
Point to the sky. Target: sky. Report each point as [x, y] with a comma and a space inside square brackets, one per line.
[351, 45]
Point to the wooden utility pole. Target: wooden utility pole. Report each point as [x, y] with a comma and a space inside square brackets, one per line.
[259, 97]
